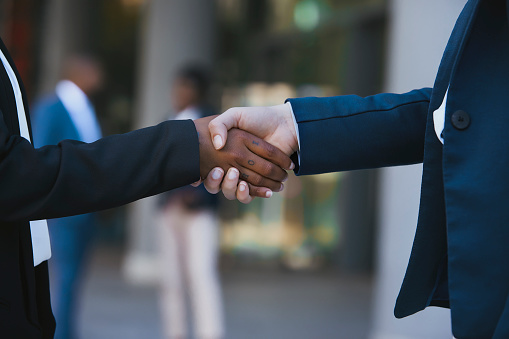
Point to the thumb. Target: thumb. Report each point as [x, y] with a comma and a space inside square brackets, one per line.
[219, 127]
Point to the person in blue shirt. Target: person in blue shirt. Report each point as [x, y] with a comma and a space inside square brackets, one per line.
[68, 114]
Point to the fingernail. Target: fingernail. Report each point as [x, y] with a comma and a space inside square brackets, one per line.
[292, 166]
[285, 179]
[268, 194]
[218, 141]
[242, 187]
[216, 174]
[281, 188]
[232, 174]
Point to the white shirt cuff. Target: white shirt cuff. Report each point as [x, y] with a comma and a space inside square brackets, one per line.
[296, 125]
[439, 118]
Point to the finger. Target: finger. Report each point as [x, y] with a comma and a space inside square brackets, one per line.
[197, 183]
[263, 167]
[213, 181]
[219, 127]
[262, 192]
[256, 179]
[229, 185]
[268, 151]
[243, 193]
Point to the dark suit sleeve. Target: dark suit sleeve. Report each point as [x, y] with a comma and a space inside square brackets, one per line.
[74, 177]
[350, 132]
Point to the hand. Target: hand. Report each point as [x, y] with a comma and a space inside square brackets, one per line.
[273, 124]
[257, 162]
[232, 188]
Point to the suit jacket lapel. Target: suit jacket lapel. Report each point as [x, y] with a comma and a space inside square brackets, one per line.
[417, 290]
[453, 50]
[7, 101]
[10, 116]
[22, 88]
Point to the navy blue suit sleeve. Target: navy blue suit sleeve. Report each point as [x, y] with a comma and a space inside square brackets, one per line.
[74, 177]
[350, 132]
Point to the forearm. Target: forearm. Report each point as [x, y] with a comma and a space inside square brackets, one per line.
[74, 177]
[350, 132]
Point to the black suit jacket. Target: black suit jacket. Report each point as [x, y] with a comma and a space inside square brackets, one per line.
[67, 179]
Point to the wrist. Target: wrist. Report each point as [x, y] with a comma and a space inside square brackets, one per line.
[285, 111]
[205, 146]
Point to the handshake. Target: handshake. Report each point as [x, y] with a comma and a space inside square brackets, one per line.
[250, 144]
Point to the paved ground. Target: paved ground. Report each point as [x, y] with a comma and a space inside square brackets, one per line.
[261, 304]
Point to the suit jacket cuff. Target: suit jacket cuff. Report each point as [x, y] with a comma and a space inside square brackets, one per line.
[183, 162]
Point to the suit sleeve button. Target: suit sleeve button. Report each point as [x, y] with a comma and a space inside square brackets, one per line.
[460, 120]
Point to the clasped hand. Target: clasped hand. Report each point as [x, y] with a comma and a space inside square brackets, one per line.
[259, 165]
[258, 160]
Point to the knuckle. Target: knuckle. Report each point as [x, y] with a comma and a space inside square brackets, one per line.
[271, 151]
[214, 123]
[266, 169]
[272, 171]
[231, 112]
[236, 133]
[237, 155]
[257, 180]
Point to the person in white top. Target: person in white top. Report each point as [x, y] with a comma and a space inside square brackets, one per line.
[189, 234]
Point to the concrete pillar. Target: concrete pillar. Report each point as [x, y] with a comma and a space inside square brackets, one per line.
[363, 76]
[174, 32]
[418, 34]
[65, 29]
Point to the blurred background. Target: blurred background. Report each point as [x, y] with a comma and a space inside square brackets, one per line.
[324, 259]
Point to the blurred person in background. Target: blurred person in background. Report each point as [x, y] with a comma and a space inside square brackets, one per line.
[68, 114]
[189, 224]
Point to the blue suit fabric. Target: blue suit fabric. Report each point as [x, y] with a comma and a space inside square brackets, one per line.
[460, 250]
[70, 236]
